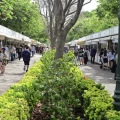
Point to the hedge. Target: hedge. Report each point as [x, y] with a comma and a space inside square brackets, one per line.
[16, 103]
[63, 91]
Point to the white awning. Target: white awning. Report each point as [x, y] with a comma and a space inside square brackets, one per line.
[105, 38]
[73, 44]
[2, 37]
[69, 43]
[88, 42]
[94, 42]
[115, 41]
[103, 42]
[115, 37]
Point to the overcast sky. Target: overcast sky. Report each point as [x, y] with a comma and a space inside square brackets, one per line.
[90, 6]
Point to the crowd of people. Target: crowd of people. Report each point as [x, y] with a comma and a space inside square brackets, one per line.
[10, 53]
[81, 55]
[108, 58]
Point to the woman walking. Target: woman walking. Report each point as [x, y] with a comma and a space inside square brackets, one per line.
[85, 56]
[105, 59]
[3, 60]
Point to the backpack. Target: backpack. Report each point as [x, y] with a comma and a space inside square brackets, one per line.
[20, 50]
[85, 54]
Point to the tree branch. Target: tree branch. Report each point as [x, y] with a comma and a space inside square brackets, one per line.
[74, 19]
[66, 7]
[70, 13]
[87, 3]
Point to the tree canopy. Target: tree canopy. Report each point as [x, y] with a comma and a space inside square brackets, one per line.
[105, 16]
[23, 17]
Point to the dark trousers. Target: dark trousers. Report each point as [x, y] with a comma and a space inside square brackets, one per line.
[19, 55]
[85, 60]
[92, 59]
[33, 53]
[12, 57]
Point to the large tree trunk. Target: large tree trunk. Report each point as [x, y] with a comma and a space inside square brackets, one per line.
[53, 43]
[60, 45]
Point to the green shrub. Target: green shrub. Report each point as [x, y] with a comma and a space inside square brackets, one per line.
[61, 89]
[96, 103]
[19, 100]
[112, 115]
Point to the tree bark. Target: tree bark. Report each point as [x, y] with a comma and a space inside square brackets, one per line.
[60, 45]
[53, 43]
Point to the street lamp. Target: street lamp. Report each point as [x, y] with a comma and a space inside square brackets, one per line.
[116, 96]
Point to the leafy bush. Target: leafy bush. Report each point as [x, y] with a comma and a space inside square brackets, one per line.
[61, 89]
[58, 88]
[16, 103]
[113, 115]
[96, 103]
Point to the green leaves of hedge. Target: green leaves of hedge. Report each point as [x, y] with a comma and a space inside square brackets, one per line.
[62, 91]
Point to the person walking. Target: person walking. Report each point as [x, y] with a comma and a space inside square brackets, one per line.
[80, 55]
[85, 56]
[19, 52]
[3, 60]
[92, 54]
[33, 50]
[101, 58]
[75, 55]
[111, 57]
[105, 59]
[26, 58]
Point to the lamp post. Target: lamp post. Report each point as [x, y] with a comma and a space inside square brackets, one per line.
[116, 96]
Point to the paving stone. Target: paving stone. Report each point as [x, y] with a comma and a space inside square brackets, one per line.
[14, 73]
[105, 77]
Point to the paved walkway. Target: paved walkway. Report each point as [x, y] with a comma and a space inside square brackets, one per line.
[14, 73]
[105, 77]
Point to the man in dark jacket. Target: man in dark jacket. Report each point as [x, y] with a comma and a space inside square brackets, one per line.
[92, 54]
[26, 58]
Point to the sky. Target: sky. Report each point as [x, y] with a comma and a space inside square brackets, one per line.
[91, 6]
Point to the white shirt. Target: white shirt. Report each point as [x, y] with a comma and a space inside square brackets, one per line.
[6, 49]
[111, 56]
[33, 48]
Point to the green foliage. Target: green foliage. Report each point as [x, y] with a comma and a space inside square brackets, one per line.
[113, 115]
[59, 90]
[107, 8]
[26, 18]
[20, 99]
[104, 17]
[62, 91]
[6, 7]
[96, 103]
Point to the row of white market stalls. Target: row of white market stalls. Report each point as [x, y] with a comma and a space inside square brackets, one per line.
[72, 45]
[36, 43]
[9, 37]
[104, 39]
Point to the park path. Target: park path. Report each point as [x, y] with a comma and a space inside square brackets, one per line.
[14, 73]
[105, 77]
